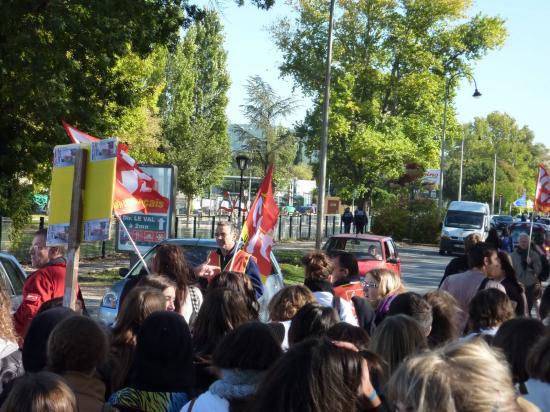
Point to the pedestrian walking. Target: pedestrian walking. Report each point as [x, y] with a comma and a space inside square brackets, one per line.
[347, 220]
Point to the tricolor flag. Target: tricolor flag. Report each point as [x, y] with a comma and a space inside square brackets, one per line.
[258, 230]
[542, 194]
[135, 190]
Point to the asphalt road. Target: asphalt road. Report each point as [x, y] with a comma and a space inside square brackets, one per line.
[422, 267]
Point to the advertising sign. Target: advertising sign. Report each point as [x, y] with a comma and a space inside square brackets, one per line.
[431, 177]
[98, 191]
[147, 229]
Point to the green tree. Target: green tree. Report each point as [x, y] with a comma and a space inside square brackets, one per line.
[193, 107]
[517, 159]
[391, 58]
[264, 139]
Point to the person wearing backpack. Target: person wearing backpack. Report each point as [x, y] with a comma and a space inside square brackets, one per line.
[318, 270]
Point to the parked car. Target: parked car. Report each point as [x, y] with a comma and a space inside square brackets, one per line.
[196, 252]
[540, 234]
[12, 277]
[500, 222]
[372, 252]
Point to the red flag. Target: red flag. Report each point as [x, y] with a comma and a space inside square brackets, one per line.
[542, 195]
[260, 223]
[134, 189]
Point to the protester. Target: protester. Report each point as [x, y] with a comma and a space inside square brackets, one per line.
[77, 347]
[311, 321]
[285, 304]
[163, 283]
[488, 310]
[506, 243]
[381, 287]
[347, 285]
[161, 379]
[41, 391]
[527, 268]
[11, 363]
[485, 267]
[138, 305]
[396, 338]
[493, 239]
[222, 311]
[228, 258]
[461, 264]
[47, 282]
[360, 220]
[318, 270]
[446, 315]
[318, 375]
[514, 289]
[459, 377]
[239, 283]
[413, 305]
[347, 220]
[170, 261]
[240, 370]
[343, 331]
[516, 337]
[538, 368]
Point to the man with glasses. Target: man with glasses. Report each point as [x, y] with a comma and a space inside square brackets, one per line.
[46, 283]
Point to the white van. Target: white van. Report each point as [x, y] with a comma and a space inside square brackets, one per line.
[463, 219]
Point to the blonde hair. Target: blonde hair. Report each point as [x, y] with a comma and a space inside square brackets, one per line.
[288, 301]
[7, 329]
[388, 282]
[465, 377]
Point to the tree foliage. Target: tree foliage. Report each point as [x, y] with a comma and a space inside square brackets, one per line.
[264, 139]
[193, 107]
[391, 58]
[517, 159]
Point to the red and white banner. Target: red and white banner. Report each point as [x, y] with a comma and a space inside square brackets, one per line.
[542, 194]
[258, 230]
[134, 189]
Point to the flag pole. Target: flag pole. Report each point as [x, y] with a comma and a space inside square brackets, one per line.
[132, 242]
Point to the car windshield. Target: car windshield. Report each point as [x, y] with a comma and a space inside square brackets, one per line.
[538, 234]
[195, 255]
[361, 248]
[503, 219]
[462, 219]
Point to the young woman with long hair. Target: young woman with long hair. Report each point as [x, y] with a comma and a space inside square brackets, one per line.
[514, 289]
[381, 287]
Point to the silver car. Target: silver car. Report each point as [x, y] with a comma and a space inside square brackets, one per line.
[12, 278]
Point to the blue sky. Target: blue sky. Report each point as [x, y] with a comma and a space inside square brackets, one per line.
[513, 79]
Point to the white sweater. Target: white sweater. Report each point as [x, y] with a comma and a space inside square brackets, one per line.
[208, 402]
[346, 310]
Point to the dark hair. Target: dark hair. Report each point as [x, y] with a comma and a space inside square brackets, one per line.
[493, 239]
[239, 282]
[347, 261]
[36, 339]
[505, 232]
[489, 308]
[317, 266]
[445, 318]
[312, 376]
[170, 261]
[508, 269]
[544, 309]
[478, 253]
[42, 391]
[413, 305]
[538, 360]
[221, 312]
[77, 344]
[348, 333]
[164, 354]
[311, 321]
[262, 349]
[516, 337]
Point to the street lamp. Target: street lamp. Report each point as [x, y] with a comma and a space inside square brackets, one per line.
[442, 161]
[242, 163]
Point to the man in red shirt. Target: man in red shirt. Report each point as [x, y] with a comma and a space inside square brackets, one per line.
[46, 283]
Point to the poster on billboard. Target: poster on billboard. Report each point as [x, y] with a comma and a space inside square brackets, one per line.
[431, 177]
[148, 229]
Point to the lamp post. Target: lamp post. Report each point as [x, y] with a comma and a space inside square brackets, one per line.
[324, 136]
[442, 161]
[242, 163]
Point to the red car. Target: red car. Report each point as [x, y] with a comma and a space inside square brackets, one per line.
[372, 252]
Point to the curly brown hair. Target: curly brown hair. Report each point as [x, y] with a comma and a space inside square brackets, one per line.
[317, 266]
[7, 329]
[289, 300]
[489, 308]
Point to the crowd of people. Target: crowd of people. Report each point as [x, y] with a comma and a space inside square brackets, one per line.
[190, 339]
